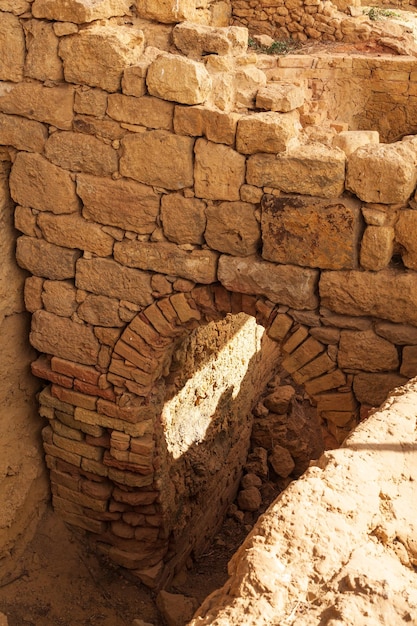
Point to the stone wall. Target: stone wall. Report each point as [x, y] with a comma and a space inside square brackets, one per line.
[158, 192]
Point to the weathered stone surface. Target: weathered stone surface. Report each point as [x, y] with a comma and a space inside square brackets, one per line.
[280, 327]
[172, 77]
[59, 297]
[98, 55]
[197, 265]
[405, 235]
[183, 219]
[122, 203]
[36, 183]
[328, 318]
[249, 499]
[81, 153]
[281, 461]
[376, 214]
[90, 101]
[305, 353]
[134, 76]
[233, 228]
[385, 173]
[364, 350]
[377, 247]
[72, 231]
[373, 389]
[351, 140]
[389, 294]
[12, 46]
[198, 40]
[53, 105]
[409, 361]
[267, 132]
[153, 158]
[106, 277]
[25, 221]
[79, 11]
[313, 170]
[44, 259]
[167, 12]
[176, 608]
[279, 401]
[311, 232]
[285, 284]
[247, 82]
[332, 380]
[60, 336]
[401, 334]
[100, 311]
[22, 134]
[17, 7]
[145, 111]
[219, 171]
[42, 61]
[217, 126]
[282, 97]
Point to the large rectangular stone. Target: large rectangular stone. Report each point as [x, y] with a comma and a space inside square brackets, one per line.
[81, 11]
[305, 353]
[12, 46]
[145, 111]
[45, 259]
[52, 105]
[81, 153]
[22, 134]
[72, 231]
[167, 258]
[311, 232]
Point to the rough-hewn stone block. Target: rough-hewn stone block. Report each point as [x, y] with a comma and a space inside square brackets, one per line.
[409, 361]
[219, 171]
[400, 334]
[53, 105]
[377, 247]
[79, 11]
[373, 389]
[81, 153]
[166, 11]
[233, 228]
[12, 46]
[267, 132]
[351, 140]
[59, 297]
[100, 311]
[183, 219]
[144, 111]
[284, 284]
[72, 231]
[405, 235]
[364, 350]
[22, 134]
[45, 259]
[198, 39]
[282, 97]
[311, 232]
[42, 60]
[172, 77]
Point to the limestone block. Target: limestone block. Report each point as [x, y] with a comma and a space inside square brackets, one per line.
[158, 158]
[167, 258]
[380, 214]
[100, 311]
[284, 284]
[166, 11]
[373, 389]
[98, 55]
[384, 173]
[134, 76]
[219, 171]
[351, 140]
[280, 327]
[45, 259]
[145, 111]
[79, 11]
[90, 101]
[405, 235]
[282, 97]
[72, 231]
[22, 134]
[12, 46]
[364, 350]
[409, 362]
[305, 353]
[336, 401]
[389, 294]
[216, 126]
[81, 153]
[172, 77]
[377, 247]
[311, 232]
[53, 105]
[223, 92]
[36, 183]
[32, 293]
[232, 228]
[333, 380]
[183, 219]
[248, 81]
[267, 132]
[197, 40]
[59, 297]
[42, 60]
[122, 203]
[312, 170]
[14, 6]
[25, 221]
[400, 334]
[106, 277]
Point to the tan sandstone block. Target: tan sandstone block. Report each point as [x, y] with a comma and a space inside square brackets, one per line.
[36, 183]
[166, 11]
[167, 258]
[45, 259]
[72, 231]
[145, 111]
[351, 140]
[373, 389]
[197, 40]
[305, 353]
[280, 327]
[183, 219]
[81, 153]
[90, 101]
[325, 383]
[17, 7]
[12, 46]
[389, 294]
[79, 11]
[401, 334]
[60, 336]
[377, 247]
[311, 232]
[247, 82]
[33, 293]
[134, 76]
[52, 105]
[405, 235]
[98, 55]
[386, 173]
[282, 97]
[219, 171]
[284, 284]
[59, 297]
[232, 228]
[125, 204]
[267, 132]
[100, 311]
[42, 61]
[152, 158]
[22, 134]
[106, 277]
[409, 361]
[217, 126]
[364, 350]
[172, 77]
[313, 170]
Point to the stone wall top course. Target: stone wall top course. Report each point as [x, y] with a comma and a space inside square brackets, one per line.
[79, 11]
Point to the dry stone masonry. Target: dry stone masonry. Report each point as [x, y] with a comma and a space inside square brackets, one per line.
[165, 180]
